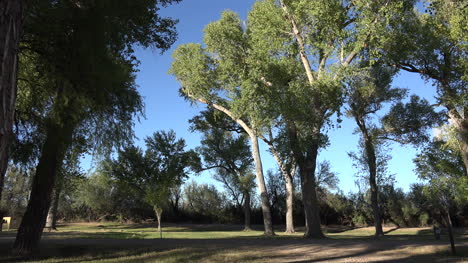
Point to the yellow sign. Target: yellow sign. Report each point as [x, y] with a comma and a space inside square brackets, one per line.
[7, 220]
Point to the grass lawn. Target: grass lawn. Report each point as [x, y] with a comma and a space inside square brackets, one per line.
[112, 242]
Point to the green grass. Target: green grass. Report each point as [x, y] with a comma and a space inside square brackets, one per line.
[119, 231]
[145, 231]
[197, 251]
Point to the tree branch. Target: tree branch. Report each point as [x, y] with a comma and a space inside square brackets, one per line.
[247, 129]
[300, 42]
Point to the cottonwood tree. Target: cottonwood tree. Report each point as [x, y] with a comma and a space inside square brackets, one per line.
[219, 76]
[434, 44]
[366, 95]
[89, 84]
[325, 38]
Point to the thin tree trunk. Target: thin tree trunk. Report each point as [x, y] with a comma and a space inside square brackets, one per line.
[309, 193]
[288, 177]
[247, 224]
[267, 221]
[450, 231]
[11, 24]
[158, 212]
[372, 165]
[289, 204]
[58, 138]
[51, 222]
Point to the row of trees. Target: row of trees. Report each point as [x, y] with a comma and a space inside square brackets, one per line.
[104, 197]
[284, 73]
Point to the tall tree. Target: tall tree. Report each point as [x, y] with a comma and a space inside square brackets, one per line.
[11, 26]
[325, 38]
[89, 84]
[367, 93]
[219, 76]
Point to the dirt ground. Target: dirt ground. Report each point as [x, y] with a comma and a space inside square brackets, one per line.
[260, 250]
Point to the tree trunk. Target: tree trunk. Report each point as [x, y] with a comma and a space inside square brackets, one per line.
[11, 24]
[267, 221]
[289, 203]
[309, 193]
[247, 224]
[450, 231]
[372, 164]
[158, 211]
[288, 177]
[51, 222]
[58, 138]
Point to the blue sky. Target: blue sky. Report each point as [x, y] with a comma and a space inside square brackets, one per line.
[166, 110]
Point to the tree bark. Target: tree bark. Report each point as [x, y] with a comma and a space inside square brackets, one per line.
[158, 212]
[372, 165]
[307, 167]
[11, 24]
[267, 221]
[461, 124]
[247, 224]
[288, 177]
[51, 222]
[289, 204]
[58, 138]
[450, 231]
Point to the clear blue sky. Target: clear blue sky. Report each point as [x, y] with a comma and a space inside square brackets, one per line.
[166, 110]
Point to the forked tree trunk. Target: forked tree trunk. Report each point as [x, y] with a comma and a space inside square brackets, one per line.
[158, 211]
[11, 24]
[247, 224]
[288, 177]
[307, 167]
[51, 222]
[58, 138]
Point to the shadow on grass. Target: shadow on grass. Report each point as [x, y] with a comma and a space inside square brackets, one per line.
[313, 252]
